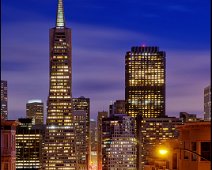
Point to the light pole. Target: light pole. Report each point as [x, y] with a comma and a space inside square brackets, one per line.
[165, 151]
[191, 152]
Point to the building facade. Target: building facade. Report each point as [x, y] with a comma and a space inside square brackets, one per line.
[83, 104]
[59, 147]
[29, 140]
[187, 117]
[8, 143]
[118, 107]
[79, 120]
[118, 143]
[191, 150]
[152, 132]
[195, 136]
[4, 100]
[35, 111]
[93, 134]
[207, 103]
[101, 115]
[145, 77]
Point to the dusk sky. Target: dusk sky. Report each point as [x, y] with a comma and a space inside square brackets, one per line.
[102, 32]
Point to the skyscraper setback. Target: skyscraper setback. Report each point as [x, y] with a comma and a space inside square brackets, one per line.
[145, 82]
[59, 148]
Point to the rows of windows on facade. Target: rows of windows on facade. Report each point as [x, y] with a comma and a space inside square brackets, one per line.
[124, 137]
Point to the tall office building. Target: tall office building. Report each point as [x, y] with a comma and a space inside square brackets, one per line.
[101, 115]
[207, 103]
[29, 140]
[118, 107]
[83, 104]
[118, 143]
[59, 147]
[79, 120]
[145, 82]
[4, 100]
[34, 111]
[94, 142]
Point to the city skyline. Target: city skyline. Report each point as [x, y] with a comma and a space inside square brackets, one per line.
[98, 66]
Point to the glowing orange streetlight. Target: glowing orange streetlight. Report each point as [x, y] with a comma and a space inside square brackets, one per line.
[163, 151]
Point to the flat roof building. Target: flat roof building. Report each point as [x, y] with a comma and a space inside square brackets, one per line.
[29, 140]
[118, 107]
[145, 82]
[101, 115]
[83, 104]
[79, 120]
[35, 111]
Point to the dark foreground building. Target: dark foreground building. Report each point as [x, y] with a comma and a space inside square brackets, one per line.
[8, 142]
[29, 140]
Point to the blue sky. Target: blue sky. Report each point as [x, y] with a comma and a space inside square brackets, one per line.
[102, 32]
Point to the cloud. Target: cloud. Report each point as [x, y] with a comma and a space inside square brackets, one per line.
[98, 66]
[188, 73]
[96, 71]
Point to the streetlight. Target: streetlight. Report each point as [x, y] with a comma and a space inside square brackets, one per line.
[164, 151]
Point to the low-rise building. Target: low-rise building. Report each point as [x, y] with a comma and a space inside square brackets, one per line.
[8, 142]
[195, 137]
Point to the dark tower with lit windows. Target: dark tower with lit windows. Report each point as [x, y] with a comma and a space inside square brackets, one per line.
[145, 75]
[59, 144]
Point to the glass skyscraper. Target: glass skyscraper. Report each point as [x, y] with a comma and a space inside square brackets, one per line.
[145, 82]
[59, 148]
